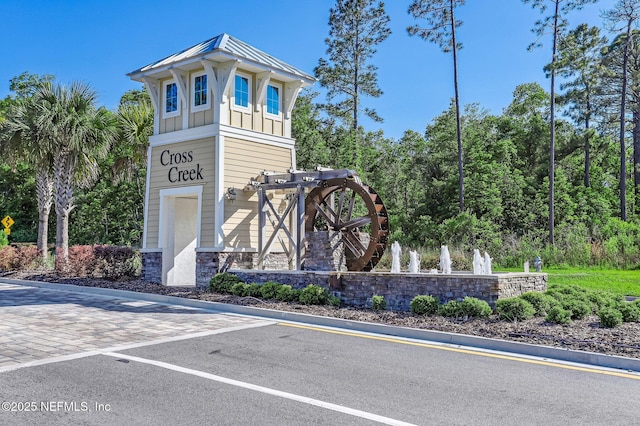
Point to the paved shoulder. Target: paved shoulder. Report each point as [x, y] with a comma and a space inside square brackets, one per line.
[37, 323]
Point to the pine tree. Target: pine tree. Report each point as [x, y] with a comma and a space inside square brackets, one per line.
[626, 12]
[553, 23]
[356, 27]
[579, 56]
[441, 29]
[613, 58]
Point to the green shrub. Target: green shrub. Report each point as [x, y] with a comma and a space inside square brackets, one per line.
[314, 295]
[603, 299]
[451, 309]
[378, 303]
[239, 289]
[630, 311]
[334, 301]
[610, 317]
[270, 289]
[254, 290]
[286, 293]
[223, 282]
[3, 239]
[573, 291]
[541, 302]
[475, 308]
[424, 305]
[514, 309]
[579, 309]
[558, 315]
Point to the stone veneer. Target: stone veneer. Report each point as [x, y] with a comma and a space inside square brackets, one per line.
[152, 266]
[324, 251]
[357, 288]
[209, 263]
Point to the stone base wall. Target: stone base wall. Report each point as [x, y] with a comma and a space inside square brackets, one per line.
[357, 288]
[324, 251]
[296, 279]
[207, 265]
[243, 260]
[210, 263]
[152, 266]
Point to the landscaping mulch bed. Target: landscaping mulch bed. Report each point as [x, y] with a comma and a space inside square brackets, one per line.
[585, 335]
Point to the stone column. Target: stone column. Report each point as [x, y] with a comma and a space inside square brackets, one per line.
[324, 251]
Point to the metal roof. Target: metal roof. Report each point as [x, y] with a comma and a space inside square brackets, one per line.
[227, 46]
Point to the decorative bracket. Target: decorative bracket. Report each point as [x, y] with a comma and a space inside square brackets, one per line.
[262, 80]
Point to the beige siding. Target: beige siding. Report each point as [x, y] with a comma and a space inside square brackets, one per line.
[254, 120]
[272, 127]
[202, 160]
[278, 128]
[258, 125]
[243, 161]
[201, 118]
[241, 119]
[170, 124]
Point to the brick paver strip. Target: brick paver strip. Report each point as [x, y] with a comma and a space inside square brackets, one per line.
[38, 323]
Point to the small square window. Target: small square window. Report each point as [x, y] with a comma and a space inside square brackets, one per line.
[241, 92]
[273, 100]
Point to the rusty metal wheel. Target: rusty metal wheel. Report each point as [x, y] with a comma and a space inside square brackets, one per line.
[357, 211]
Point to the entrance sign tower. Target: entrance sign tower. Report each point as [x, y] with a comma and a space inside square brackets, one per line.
[222, 114]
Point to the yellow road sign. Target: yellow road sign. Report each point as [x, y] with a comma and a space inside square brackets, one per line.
[7, 231]
[7, 222]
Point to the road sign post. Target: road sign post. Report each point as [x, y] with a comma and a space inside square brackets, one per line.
[7, 222]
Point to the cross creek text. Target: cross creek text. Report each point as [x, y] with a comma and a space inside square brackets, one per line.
[179, 173]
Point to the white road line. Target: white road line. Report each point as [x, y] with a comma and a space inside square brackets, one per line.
[125, 347]
[268, 391]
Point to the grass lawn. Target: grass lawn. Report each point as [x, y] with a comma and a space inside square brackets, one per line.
[626, 283]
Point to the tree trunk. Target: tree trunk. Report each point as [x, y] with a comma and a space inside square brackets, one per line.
[552, 139]
[623, 150]
[587, 146]
[457, 101]
[44, 190]
[63, 188]
[62, 241]
[636, 157]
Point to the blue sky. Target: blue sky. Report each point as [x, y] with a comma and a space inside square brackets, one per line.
[99, 42]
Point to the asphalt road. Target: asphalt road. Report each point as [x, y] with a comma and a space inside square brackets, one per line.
[70, 358]
[288, 374]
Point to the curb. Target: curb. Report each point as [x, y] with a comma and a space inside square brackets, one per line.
[568, 355]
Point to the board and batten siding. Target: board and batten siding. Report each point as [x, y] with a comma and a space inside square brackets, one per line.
[201, 118]
[255, 118]
[203, 159]
[171, 124]
[243, 161]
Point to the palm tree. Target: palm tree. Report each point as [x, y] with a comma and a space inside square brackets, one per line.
[135, 126]
[82, 134]
[23, 140]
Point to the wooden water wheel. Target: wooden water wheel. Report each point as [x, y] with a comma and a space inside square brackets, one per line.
[357, 211]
